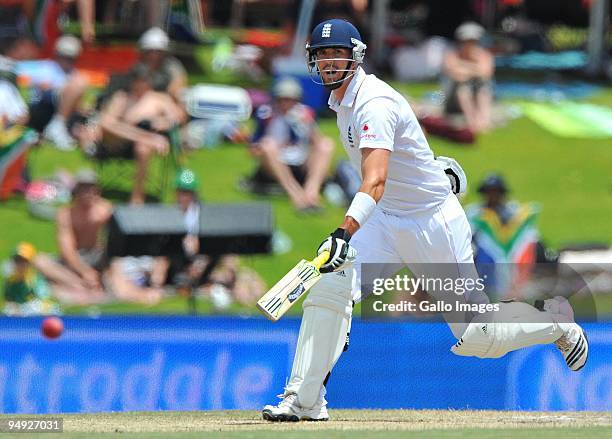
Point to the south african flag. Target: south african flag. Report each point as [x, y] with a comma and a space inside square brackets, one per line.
[14, 144]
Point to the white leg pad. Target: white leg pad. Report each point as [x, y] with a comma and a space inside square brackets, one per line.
[515, 326]
[325, 323]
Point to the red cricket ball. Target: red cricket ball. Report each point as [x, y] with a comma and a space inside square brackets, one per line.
[52, 327]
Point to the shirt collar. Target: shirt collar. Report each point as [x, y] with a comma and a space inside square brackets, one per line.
[351, 92]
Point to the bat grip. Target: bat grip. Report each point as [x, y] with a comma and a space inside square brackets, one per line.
[321, 259]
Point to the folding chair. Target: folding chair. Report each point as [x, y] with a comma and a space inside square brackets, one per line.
[116, 168]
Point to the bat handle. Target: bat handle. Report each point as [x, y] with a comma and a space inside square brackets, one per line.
[321, 259]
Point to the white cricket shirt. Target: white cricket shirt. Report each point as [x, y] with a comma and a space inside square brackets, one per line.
[374, 115]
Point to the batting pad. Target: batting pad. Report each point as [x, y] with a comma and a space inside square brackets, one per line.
[485, 338]
[325, 323]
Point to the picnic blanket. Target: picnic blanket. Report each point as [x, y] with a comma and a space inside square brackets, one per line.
[544, 91]
[566, 60]
[571, 119]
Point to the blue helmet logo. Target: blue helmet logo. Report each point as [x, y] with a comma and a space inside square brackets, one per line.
[335, 33]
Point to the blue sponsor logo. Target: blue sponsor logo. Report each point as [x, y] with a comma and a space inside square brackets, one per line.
[295, 294]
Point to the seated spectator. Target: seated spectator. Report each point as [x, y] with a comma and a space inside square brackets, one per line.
[168, 73]
[469, 69]
[131, 279]
[132, 124]
[26, 291]
[84, 276]
[13, 110]
[188, 267]
[290, 147]
[79, 229]
[227, 281]
[15, 138]
[56, 92]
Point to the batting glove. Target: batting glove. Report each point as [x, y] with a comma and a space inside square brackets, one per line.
[455, 174]
[337, 244]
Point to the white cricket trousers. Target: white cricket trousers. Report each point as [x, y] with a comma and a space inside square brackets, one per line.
[437, 236]
[434, 243]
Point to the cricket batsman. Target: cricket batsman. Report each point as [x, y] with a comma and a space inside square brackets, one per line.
[405, 212]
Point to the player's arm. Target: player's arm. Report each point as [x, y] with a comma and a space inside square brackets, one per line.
[376, 132]
[374, 166]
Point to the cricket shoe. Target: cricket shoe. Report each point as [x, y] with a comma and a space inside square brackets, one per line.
[289, 410]
[573, 344]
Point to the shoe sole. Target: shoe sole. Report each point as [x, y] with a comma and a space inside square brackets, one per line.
[268, 416]
[586, 339]
[314, 420]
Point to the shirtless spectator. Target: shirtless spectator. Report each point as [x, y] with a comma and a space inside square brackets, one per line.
[85, 274]
[133, 123]
[79, 228]
[470, 69]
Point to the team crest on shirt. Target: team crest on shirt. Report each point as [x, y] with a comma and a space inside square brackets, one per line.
[364, 133]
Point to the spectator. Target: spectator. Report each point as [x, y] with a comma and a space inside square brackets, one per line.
[13, 110]
[23, 21]
[168, 74]
[505, 236]
[79, 229]
[228, 280]
[83, 275]
[58, 90]
[131, 279]
[26, 291]
[290, 147]
[470, 68]
[188, 267]
[133, 123]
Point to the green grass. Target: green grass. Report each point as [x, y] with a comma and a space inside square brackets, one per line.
[501, 433]
[570, 178]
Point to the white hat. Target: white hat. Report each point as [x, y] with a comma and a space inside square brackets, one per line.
[287, 88]
[469, 31]
[154, 39]
[68, 46]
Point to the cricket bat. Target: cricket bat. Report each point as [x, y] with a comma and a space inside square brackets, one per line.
[275, 303]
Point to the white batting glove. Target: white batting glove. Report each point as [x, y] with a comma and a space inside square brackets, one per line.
[455, 174]
[339, 249]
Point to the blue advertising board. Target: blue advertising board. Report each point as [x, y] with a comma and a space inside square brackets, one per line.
[206, 363]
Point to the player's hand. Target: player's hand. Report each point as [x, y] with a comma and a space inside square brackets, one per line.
[455, 174]
[337, 244]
